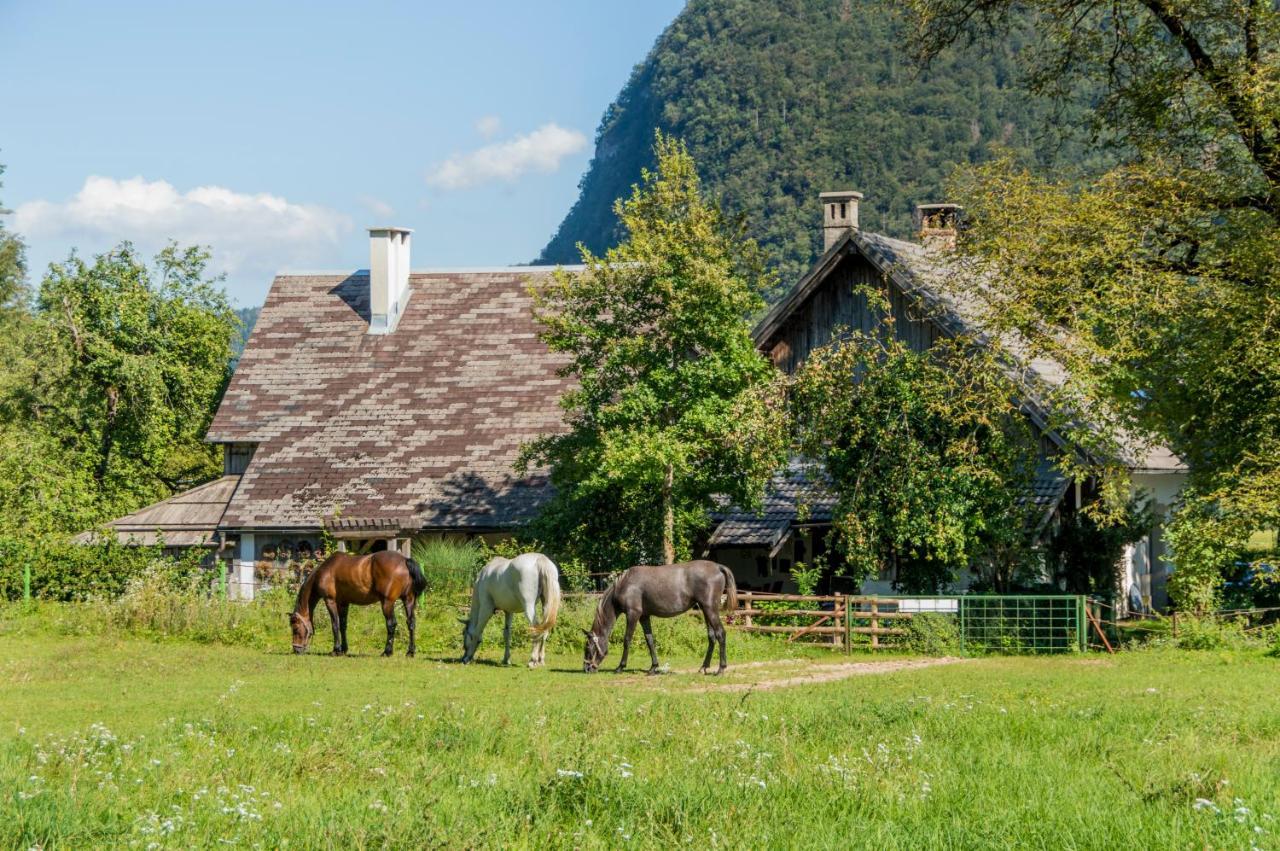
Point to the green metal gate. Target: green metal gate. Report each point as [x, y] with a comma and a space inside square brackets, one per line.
[1022, 623]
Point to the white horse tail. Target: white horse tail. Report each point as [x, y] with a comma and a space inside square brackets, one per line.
[549, 580]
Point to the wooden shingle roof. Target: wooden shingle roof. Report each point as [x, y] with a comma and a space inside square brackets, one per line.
[418, 428]
[187, 519]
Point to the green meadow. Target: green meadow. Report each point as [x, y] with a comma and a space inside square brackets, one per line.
[111, 740]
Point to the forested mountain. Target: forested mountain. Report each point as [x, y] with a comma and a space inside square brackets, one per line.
[779, 100]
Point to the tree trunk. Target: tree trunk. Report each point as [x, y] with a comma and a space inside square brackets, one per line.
[668, 518]
[108, 436]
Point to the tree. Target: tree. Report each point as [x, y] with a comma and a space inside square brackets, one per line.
[1157, 281]
[135, 361]
[13, 265]
[927, 452]
[674, 406]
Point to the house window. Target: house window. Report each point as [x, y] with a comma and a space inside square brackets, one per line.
[842, 211]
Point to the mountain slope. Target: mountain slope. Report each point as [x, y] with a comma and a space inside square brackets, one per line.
[781, 99]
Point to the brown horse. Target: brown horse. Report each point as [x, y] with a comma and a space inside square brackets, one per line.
[343, 579]
[665, 591]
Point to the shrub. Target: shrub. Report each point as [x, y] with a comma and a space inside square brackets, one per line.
[932, 634]
[65, 571]
[450, 564]
[1210, 634]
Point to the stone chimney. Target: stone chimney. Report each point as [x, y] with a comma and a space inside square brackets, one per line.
[839, 215]
[388, 277]
[938, 224]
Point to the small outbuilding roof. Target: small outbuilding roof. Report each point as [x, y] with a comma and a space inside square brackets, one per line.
[187, 519]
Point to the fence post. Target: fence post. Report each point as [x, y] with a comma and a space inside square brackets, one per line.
[836, 638]
[961, 606]
[848, 626]
[875, 622]
[1082, 637]
[26, 581]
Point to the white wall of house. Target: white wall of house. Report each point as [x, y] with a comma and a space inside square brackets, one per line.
[1145, 573]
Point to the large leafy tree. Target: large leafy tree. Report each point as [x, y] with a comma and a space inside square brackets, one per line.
[674, 406]
[927, 452]
[1158, 281]
[129, 363]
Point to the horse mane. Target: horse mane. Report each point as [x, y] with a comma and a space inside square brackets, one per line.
[602, 620]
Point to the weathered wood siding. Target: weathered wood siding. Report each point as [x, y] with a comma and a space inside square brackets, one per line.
[835, 305]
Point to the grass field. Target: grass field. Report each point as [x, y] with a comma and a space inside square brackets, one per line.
[108, 741]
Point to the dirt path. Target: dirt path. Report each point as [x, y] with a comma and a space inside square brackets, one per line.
[765, 676]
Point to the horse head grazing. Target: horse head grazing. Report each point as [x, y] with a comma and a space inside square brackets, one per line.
[302, 631]
[594, 652]
[470, 642]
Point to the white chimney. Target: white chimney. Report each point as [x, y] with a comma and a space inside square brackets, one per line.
[388, 277]
[839, 215]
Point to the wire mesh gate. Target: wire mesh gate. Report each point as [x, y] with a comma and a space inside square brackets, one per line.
[984, 623]
[1022, 624]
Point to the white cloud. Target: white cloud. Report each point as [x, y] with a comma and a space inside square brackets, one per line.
[541, 150]
[251, 236]
[378, 207]
[488, 126]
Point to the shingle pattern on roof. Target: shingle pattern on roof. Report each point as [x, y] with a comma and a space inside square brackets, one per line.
[797, 493]
[801, 494]
[419, 427]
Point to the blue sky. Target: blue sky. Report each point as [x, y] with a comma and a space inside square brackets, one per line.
[277, 131]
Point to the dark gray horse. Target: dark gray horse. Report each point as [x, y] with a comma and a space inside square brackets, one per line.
[665, 591]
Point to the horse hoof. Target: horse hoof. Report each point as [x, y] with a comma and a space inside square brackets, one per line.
[652, 672]
[619, 670]
[337, 653]
[720, 670]
[409, 654]
[704, 671]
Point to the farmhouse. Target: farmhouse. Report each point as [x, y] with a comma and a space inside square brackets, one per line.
[372, 406]
[762, 549]
[380, 404]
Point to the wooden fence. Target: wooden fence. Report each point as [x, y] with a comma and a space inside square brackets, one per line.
[834, 619]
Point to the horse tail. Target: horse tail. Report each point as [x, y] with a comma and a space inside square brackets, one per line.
[418, 577]
[730, 589]
[549, 580]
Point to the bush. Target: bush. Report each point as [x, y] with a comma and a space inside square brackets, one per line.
[1210, 634]
[66, 571]
[932, 634]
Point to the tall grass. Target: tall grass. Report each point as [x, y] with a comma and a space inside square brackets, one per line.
[450, 564]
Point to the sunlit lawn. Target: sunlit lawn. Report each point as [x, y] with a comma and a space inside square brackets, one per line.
[109, 742]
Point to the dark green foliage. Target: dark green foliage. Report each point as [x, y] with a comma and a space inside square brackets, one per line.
[923, 450]
[1083, 552]
[932, 634]
[779, 100]
[64, 571]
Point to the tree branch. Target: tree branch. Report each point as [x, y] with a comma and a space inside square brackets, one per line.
[1263, 151]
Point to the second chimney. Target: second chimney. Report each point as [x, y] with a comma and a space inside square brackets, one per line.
[839, 215]
[938, 224]
[388, 277]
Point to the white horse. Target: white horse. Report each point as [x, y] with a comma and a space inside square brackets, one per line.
[512, 585]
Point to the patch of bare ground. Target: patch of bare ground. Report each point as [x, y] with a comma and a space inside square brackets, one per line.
[764, 676]
[824, 673]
